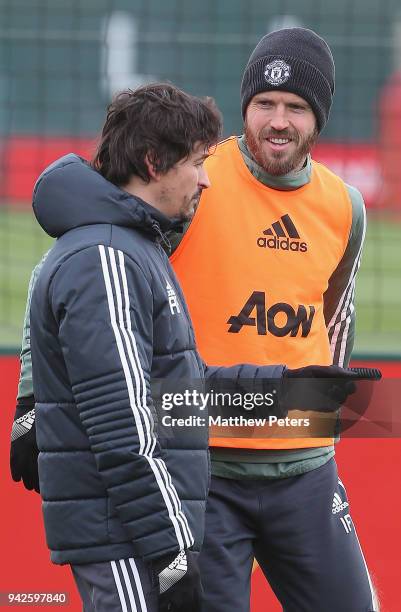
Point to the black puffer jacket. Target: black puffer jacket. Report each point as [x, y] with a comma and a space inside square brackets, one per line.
[108, 314]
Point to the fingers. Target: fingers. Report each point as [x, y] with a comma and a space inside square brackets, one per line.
[16, 476]
[31, 480]
[27, 473]
[15, 469]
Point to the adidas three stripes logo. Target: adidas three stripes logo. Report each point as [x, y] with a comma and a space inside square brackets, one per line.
[279, 231]
[282, 235]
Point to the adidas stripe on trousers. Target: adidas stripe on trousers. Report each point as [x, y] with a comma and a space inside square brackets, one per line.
[124, 585]
[300, 531]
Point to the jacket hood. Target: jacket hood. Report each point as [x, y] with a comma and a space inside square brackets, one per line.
[70, 194]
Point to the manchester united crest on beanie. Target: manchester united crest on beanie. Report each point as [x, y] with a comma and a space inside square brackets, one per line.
[296, 60]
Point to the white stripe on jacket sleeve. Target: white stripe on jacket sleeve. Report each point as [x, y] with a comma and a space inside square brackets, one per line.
[163, 468]
[128, 352]
[345, 307]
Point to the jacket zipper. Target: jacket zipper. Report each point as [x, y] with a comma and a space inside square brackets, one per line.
[162, 237]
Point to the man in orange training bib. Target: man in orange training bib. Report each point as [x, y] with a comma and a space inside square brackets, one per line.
[268, 268]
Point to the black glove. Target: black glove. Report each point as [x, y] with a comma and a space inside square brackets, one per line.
[24, 450]
[180, 585]
[320, 388]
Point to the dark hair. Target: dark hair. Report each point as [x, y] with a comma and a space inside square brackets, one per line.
[156, 120]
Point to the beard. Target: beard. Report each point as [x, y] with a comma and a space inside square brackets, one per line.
[278, 163]
[188, 210]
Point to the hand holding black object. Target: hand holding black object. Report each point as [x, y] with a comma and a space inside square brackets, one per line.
[24, 450]
[179, 582]
[319, 388]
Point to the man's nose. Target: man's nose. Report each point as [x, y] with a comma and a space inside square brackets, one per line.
[279, 120]
[203, 180]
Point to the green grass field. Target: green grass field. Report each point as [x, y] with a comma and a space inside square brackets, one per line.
[22, 242]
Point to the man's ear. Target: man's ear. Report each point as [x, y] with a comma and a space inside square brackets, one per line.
[150, 165]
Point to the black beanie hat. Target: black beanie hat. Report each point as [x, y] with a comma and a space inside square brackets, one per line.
[295, 60]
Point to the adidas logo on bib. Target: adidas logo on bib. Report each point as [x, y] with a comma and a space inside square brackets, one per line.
[282, 235]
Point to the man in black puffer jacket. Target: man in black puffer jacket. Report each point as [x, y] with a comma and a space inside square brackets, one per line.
[107, 314]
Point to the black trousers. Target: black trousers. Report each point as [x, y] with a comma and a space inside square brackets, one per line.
[124, 585]
[301, 533]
